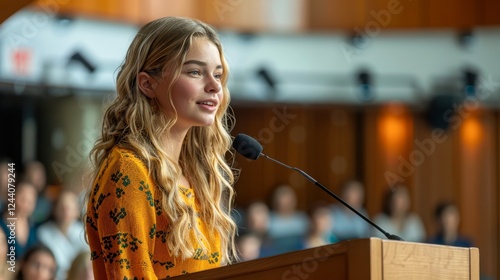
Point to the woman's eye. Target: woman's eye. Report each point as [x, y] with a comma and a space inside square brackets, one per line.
[195, 73]
[218, 76]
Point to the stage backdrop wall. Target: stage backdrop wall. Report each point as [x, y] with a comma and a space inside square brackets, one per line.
[380, 145]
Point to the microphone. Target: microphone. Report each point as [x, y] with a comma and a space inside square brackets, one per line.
[252, 149]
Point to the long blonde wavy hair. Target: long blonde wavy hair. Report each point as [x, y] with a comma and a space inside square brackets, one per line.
[131, 122]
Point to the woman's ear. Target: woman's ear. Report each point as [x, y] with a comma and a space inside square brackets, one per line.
[146, 84]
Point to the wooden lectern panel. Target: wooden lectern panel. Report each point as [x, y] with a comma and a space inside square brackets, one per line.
[418, 261]
[359, 259]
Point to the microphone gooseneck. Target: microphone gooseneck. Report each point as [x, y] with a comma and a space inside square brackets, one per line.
[252, 149]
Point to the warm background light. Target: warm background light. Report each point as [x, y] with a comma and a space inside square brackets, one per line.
[471, 132]
[394, 130]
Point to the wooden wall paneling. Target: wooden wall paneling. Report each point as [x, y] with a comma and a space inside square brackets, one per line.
[314, 163]
[332, 154]
[11, 7]
[309, 141]
[451, 13]
[435, 178]
[291, 148]
[343, 160]
[268, 125]
[87, 8]
[327, 15]
[256, 15]
[395, 14]
[478, 185]
[488, 12]
[234, 14]
[250, 185]
[388, 133]
[374, 190]
[131, 11]
[154, 9]
[319, 152]
[496, 271]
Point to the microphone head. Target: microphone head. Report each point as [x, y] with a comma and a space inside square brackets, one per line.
[247, 146]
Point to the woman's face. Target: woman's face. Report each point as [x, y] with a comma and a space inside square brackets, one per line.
[322, 220]
[401, 202]
[26, 200]
[354, 195]
[450, 220]
[197, 93]
[40, 266]
[66, 209]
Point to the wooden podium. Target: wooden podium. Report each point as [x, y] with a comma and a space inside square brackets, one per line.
[359, 259]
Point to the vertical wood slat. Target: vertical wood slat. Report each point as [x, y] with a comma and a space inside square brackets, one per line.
[331, 149]
[437, 171]
[478, 183]
[327, 15]
[386, 152]
[451, 13]
[496, 269]
[488, 12]
[395, 14]
[11, 7]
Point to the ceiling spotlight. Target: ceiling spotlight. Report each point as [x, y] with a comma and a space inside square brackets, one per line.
[365, 85]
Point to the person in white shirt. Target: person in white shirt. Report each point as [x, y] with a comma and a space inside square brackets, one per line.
[397, 217]
[345, 223]
[64, 234]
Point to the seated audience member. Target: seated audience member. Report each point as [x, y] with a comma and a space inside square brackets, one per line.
[254, 231]
[348, 225]
[81, 267]
[448, 219]
[257, 219]
[397, 218]
[37, 264]
[287, 225]
[63, 233]
[249, 246]
[35, 173]
[320, 230]
[25, 230]
[286, 220]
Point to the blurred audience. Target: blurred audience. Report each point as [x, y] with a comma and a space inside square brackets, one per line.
[249, 246]
[257, 219]
[397, 218]
[25, 229]
[81, 267]
[348, 225]
[37, 264]
[320, 227]
[287, 225]
[448, 220]
[286, 220]
[34, 172]
[63, 233]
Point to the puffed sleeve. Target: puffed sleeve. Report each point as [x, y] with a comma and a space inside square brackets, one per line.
[123, 217]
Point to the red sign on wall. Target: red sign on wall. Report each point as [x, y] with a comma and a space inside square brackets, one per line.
[21, 59]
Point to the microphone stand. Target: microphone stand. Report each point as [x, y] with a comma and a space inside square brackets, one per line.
[312, 180]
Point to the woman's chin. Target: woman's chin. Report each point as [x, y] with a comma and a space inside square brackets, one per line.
[206, 122]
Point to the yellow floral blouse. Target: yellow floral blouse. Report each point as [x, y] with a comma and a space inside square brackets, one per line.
[127, 229]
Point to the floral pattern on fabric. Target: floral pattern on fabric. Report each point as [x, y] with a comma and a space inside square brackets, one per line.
[127, 229]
